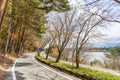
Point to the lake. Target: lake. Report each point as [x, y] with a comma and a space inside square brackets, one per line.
[91, 56]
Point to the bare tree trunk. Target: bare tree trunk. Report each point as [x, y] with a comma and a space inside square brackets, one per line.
[73, 58]
[49, 49]
[8, 39]
[59, 55]
[11, 26]
[77, 60]
[47, 54]
[18, 41]
[118, 1]
[22, 38]
[2, 11]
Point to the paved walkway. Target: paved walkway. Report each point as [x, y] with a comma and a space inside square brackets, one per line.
[27, 68]
[88, 66]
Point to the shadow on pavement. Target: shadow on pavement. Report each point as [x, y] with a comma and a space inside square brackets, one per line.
[46, 76]
[23, 64]
[19, 76]
[9, 76]
[26, 56]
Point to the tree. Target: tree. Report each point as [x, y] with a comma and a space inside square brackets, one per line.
[25, 22]
[118, 1]
[51, 43]
[2, 11]
[113, 57]
[82, 24]
[108, 7]
[86, 26]
[63, 28]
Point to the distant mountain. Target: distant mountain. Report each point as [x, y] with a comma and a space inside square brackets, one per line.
[107, 45]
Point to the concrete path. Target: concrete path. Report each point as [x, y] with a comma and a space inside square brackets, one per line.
[27, 68]
[87, 66]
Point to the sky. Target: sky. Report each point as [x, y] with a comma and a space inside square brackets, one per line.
[111, 31]
[112, 35]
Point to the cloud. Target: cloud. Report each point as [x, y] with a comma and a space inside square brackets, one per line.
[112, 34]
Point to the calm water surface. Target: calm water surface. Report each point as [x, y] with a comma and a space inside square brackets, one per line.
[91, 56]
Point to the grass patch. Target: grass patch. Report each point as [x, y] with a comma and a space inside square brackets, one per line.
[83, 73]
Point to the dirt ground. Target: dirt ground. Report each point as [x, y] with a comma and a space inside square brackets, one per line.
[4, 64]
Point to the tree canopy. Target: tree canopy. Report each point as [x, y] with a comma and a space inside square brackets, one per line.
[23, 23]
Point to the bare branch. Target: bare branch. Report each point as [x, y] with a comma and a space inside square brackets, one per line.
[118, 1]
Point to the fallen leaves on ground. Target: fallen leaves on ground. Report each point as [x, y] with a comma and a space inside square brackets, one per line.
[4, 64]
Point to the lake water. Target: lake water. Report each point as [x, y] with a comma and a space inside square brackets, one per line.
[91, 56]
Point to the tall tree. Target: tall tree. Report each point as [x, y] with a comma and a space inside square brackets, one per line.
[64, 26]
[24, 22]
[3, 6]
